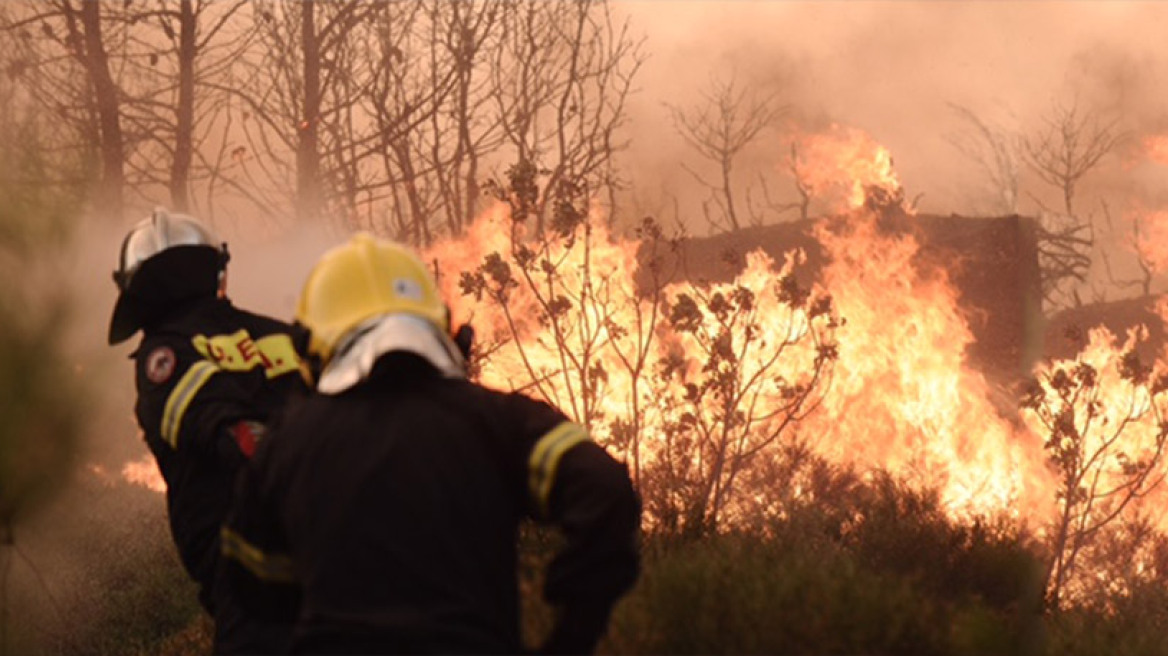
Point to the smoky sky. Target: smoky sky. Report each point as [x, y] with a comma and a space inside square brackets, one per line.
[894, 69]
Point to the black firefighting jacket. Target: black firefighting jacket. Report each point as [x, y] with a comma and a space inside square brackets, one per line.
[202, 372]
[394, 509]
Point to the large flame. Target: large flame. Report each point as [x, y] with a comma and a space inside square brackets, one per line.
[585, 362]
[904, 398]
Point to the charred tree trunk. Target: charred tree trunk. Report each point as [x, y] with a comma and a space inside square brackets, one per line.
[419, 228]
[308, 187]
[728, 193]
[93, 57]
[180, 170]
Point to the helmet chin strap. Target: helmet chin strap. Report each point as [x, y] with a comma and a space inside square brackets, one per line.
[367, 342]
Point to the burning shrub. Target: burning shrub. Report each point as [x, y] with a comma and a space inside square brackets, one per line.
[744, 363]
[1103, 416]
[692, 383]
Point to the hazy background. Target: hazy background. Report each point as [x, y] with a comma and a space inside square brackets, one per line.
[893, 69]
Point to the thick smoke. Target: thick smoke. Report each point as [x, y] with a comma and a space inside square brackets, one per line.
[104, 535]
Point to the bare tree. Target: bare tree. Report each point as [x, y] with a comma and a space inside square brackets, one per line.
[1142, 241]
[462, 136]
[86, 41]
[296, 86]
[562, 75]
[388, 115]
[728, 121]
[69, 73]
[1070, 145]
[132, 81]
[44, 153]
[430, 122]
[995, 151]
[173, 60]
[803, 187]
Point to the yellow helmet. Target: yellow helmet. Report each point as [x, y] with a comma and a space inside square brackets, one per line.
[362, 279]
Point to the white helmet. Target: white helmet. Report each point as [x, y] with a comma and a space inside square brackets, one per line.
[192, 267]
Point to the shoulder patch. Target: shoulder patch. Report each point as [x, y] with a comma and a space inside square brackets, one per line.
[160, 365]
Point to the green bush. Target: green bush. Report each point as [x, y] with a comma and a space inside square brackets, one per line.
[41, 402]
[1134, 623]
[878, 570]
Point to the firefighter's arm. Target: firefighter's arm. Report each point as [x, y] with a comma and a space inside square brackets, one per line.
[577, 486]
[257, 569]
[206, 409]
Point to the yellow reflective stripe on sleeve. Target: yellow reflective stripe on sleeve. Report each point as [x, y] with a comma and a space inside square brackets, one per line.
[545, 458]
[275, 568]
[180, 398]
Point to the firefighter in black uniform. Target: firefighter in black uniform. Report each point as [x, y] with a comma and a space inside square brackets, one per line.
[208, 375]
[392, 497]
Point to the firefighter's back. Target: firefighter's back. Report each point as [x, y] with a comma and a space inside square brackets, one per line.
[401, 500]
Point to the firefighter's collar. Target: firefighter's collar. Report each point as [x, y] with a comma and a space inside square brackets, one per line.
[376, 337]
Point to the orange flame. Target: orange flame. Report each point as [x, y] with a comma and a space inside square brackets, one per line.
[903, 398]
[1156, 147]
[101, 475]
[841, 164]
[144, 472]
[1103, 414]
[532, 345]
[563, 319]
[1124, 407]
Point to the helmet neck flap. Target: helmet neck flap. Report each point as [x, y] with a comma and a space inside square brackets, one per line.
[359, 351]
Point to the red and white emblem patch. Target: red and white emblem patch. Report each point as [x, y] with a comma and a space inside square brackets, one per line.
[160, 364]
